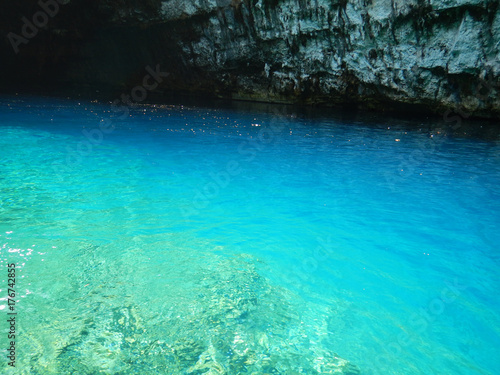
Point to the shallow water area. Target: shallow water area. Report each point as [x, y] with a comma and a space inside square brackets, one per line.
[168, 239]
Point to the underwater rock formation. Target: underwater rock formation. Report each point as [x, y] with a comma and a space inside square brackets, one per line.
[227, 319]
[432, 54]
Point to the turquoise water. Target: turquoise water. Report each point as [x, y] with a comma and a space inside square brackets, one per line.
[186, 240]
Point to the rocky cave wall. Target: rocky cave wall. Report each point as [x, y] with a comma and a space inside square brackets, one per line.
[431, 54]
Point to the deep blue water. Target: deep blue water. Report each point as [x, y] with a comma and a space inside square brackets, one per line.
[186, 240]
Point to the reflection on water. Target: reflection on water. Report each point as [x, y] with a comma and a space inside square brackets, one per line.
[214, 241]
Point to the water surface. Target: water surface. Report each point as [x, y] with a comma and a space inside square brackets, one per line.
[187, 240]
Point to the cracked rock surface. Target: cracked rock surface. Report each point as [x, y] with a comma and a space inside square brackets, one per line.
[434, 54]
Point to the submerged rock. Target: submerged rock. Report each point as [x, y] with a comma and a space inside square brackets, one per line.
[218, 319]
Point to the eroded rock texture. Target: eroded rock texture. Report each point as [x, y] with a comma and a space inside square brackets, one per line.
[439, 54]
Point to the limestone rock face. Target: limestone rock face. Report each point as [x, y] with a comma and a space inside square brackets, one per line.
[436, 54]
[441, 54]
